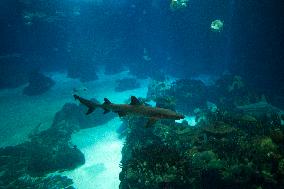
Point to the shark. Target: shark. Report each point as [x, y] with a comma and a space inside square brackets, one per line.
[135, 108]
[260, 108]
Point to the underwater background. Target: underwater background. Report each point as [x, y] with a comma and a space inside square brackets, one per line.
[217, 62]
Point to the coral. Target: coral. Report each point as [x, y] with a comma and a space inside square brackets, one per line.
[219, 129]
[281, 167]
[206, 160]
[51, 182]
[231, 90]
[189, 94]
[167, 102]
[215, 152]
[227, 148]
[132, 175]
[277, 136]
[178, 4]
[266, 145]
[238, 174]
[157, 89]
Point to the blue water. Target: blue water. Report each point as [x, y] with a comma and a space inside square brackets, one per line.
[162, 51]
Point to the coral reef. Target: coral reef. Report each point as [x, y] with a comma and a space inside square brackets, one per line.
[158, 89]
[231, 90]
[184, 95]
[189, 94]
[167, 102]
[226, 149]
[38, 84]
[50, 182]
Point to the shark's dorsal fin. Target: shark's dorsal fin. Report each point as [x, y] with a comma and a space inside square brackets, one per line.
[107, 101]
[134, 101]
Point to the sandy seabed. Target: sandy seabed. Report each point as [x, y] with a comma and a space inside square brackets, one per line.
[102, 149]
[21, 114]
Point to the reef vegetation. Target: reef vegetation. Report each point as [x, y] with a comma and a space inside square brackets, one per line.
[228, 148]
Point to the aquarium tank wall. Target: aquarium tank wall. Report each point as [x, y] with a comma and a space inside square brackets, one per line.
[152, 94]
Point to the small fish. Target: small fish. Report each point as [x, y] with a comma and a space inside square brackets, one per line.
[77, 90]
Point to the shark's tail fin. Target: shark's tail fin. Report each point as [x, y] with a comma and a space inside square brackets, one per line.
[90, 105]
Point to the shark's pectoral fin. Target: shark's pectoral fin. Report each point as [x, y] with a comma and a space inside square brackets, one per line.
[106, 111]
[151, 121]
[90, 110]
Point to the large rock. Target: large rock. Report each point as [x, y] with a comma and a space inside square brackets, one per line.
[75, 116]
[26, 165]
[46, 159]
[38, 84]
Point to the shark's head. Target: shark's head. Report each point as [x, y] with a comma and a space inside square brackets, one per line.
[173, 115]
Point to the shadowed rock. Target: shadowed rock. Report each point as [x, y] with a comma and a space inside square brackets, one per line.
[38, 84]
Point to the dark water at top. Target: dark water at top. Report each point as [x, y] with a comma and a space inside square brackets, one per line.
[56, 35]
